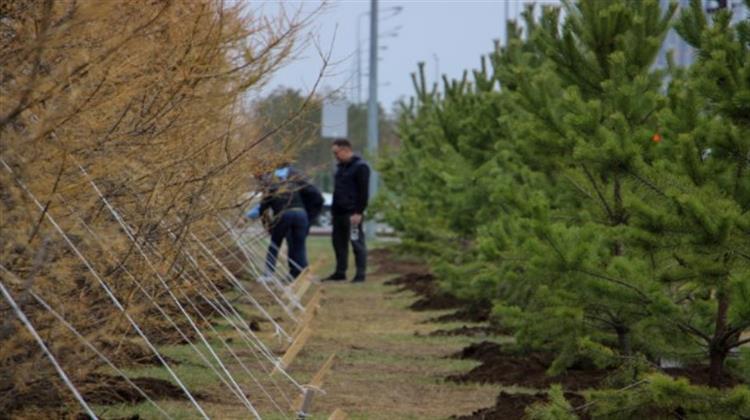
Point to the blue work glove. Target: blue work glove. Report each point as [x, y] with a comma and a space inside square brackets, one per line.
[254, 213]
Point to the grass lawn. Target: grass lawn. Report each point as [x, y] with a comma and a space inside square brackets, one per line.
[386, 366]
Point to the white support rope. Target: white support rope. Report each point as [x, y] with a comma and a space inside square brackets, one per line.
[233, 354]
[88, 343]
[238, 393]
[252, 341]
[256, 246]
[156, 304]
[254, 351]
[257, 342]
[106, 288]
[237, 390]
[22, 316]
[104, 358]
[251, 256]
[233, 279]
[250, 269]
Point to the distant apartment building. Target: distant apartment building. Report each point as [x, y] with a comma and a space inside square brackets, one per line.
[682, 53]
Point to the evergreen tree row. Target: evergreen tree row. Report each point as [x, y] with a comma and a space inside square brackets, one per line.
[601, 204]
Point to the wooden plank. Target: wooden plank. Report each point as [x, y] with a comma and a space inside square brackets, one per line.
[303, 277]
[307, 282]
[338, 414]
[310, 310]
[294, 349]
[315, 384]
[317, 380]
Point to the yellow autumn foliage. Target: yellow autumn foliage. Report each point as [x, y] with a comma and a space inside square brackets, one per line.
[145, 100]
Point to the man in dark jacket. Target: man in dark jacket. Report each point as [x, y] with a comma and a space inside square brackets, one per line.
[350, 195]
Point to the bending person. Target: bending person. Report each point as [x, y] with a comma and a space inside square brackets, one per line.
[282, 196]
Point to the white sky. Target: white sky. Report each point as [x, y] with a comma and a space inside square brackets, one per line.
[449, 36]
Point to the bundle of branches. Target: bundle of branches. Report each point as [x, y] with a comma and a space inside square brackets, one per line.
[122, 127]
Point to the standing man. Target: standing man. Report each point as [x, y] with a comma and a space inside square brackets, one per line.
[350, 195]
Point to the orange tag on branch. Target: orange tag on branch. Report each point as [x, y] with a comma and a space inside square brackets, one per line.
[656, 138]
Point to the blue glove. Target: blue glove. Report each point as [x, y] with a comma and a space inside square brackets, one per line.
[282, 173]
[254, 213]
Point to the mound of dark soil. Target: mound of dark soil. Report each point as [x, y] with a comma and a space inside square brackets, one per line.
[476, 312]
[388, 261]
[470, 331]
[425, 286]
[108, 389]
[500, 366]
[513, 406]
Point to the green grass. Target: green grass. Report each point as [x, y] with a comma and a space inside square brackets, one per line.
[386, 367]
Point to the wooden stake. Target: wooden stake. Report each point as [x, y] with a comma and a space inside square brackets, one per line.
[315, 385]
[317, 380]
[303, 287]
[310, 310]
[294, 349]
[301, 277]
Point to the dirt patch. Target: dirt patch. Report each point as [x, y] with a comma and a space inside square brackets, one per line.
[108, 389]
[425, 286]
[44, 398]
[527, 369]
[471, 331]
[513, 406]
[475, 312]
[388, 261]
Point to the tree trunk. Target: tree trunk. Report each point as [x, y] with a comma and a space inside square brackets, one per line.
[718, 347]
[718, 354]
[623, 340]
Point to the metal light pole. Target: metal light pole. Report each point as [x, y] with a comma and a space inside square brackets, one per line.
[372, 108]
[394, 11]
[359, 58]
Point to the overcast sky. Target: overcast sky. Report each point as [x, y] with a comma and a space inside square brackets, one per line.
[449, 36]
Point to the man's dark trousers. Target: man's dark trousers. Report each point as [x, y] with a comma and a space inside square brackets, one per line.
[292, 226]
[341, 238]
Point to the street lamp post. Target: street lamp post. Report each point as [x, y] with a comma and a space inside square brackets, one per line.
[372, 108]
[391, 34]
[359, 58]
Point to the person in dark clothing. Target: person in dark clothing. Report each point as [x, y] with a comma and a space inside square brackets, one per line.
[294, 203]
[350, 196]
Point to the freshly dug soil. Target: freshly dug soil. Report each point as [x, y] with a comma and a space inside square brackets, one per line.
[527, 370]
[108, 389]
[387, 262]
[477, 312]
[44, 396]
[471, 331]
[425, 286]
[513, 406]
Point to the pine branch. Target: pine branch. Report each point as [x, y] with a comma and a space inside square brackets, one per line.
[598, 192]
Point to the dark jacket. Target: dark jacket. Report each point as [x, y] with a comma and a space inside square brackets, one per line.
[351, 187]
[293, 192]
[313, 200]
[282, 196]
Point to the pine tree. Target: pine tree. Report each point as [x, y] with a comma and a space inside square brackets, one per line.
[593, 105]
[697, 219]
